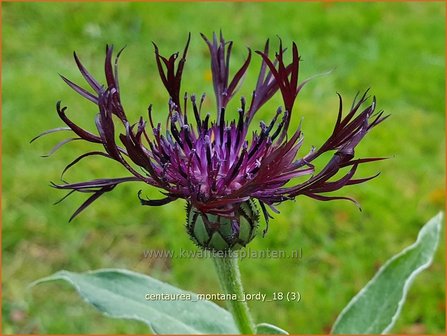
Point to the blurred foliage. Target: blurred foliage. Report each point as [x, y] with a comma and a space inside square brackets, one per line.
[397, 49]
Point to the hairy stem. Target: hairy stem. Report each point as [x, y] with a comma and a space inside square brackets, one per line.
[227, 268]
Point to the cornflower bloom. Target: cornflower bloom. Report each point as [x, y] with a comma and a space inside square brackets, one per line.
[214, 164]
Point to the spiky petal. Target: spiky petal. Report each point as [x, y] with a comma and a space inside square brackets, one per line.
[213, 163]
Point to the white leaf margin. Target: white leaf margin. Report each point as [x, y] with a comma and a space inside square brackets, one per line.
[65, 275]
[433, 224]
[273, 330]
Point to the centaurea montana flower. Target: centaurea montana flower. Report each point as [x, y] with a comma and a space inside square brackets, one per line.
[214, 164]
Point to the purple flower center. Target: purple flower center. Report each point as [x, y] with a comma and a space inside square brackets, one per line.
[213, 163]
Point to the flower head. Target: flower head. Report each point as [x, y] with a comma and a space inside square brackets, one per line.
[211, 162]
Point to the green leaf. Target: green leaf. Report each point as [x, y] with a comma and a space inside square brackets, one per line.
[269, 329]
[375, 309]
[123, 294]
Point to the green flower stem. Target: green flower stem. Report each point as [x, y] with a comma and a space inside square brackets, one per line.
[230, 281]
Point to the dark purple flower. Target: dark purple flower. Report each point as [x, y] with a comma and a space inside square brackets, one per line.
[214, 164]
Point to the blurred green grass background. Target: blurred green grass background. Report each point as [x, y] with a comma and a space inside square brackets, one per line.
[397, 49]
